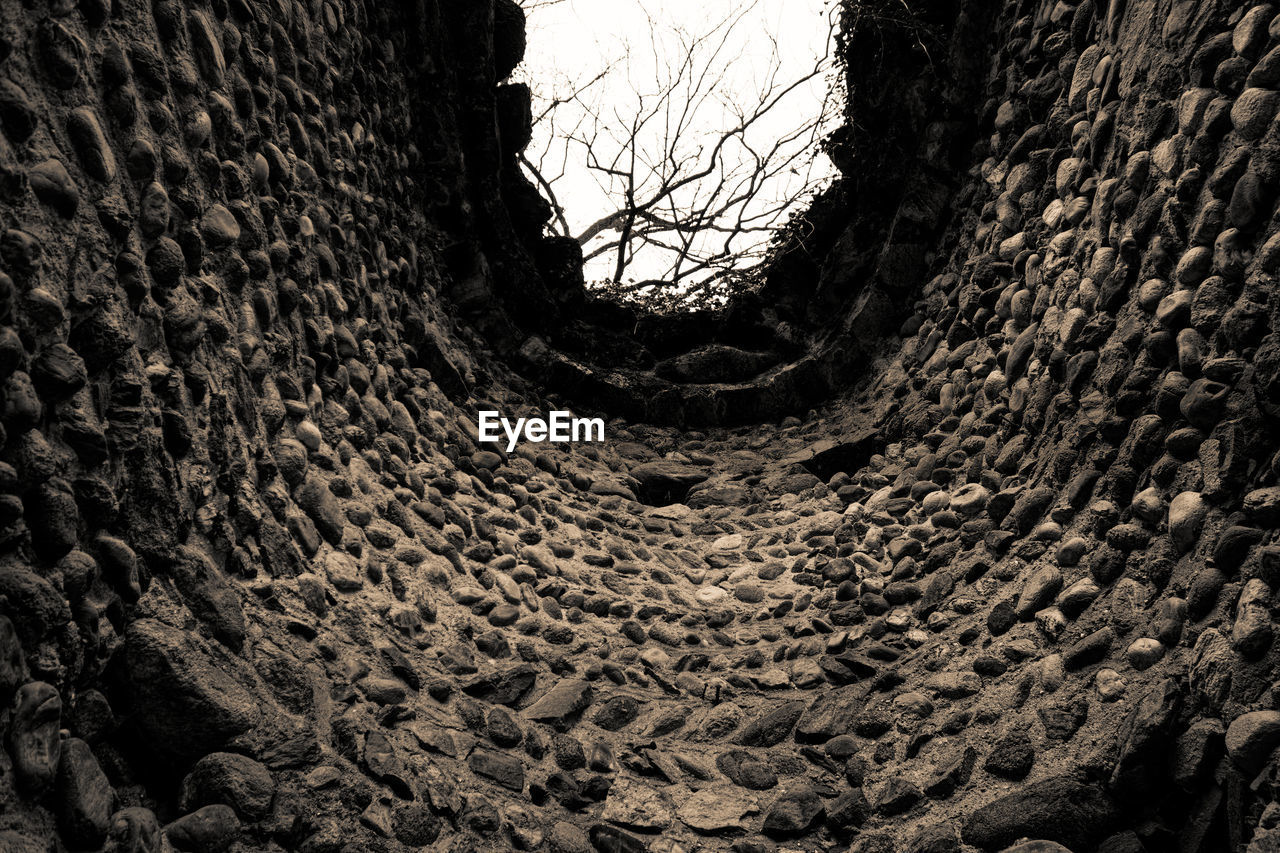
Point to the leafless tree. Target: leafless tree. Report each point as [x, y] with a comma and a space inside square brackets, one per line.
[705, 202]
[530, 5]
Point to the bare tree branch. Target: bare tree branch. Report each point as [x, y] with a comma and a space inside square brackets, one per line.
[556, 207]
[704, 202]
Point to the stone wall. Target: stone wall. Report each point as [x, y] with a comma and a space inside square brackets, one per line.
[1010, 577]
[227, 229]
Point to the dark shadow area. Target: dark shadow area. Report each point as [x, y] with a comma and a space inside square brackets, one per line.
[837, 457]
[663, 482]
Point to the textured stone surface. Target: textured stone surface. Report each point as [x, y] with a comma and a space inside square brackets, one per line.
[957, 533]
[192, 705]
[717, 809]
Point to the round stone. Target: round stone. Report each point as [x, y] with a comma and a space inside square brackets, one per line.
[1144, 653]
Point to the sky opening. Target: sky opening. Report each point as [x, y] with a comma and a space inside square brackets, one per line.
[645, 96]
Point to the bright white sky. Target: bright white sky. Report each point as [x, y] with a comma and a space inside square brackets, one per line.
[571, 41]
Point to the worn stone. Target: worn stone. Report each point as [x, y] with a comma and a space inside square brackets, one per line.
[193, 705]
[1251, 737]
[717, 809]
[1057, 809]
[561, 705]
[86, 799]
[792, 812]
[236, 780]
